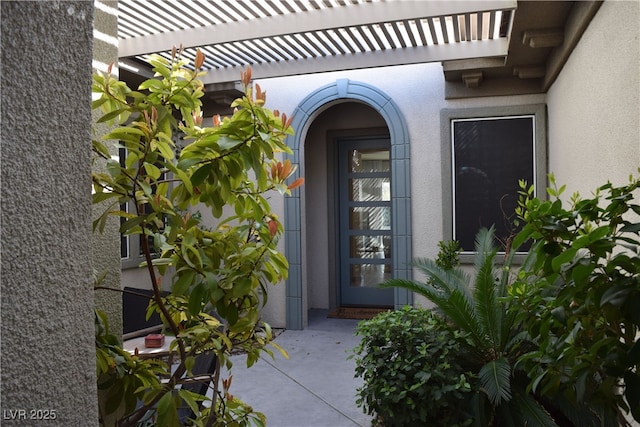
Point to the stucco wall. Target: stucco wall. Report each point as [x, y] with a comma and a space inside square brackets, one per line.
[48, 358]
[593, 129]
[593, 123]
[594, 105]
[418, 91]
[106, 244]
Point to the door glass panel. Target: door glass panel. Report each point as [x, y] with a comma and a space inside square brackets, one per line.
[371, 247]
[374, 218]
[365, 222]
[369, 275]
[369, 160]
[369, 190]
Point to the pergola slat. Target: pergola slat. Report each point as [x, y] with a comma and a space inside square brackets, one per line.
[432, 30]
[264, 32]
[349, 15]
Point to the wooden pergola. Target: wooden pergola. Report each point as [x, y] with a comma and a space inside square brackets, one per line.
[488, 47]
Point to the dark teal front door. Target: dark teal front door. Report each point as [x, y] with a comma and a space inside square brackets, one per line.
[364, 180]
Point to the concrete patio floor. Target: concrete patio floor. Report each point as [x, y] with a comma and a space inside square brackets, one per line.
[315, 387]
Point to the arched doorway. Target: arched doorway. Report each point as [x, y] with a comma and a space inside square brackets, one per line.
[349, 100]
[347, 207]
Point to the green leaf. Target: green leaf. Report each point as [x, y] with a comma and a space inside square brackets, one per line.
[530, 412]
[191, 399]
[616, 295]
[186, 162]
[196, 299]
[564, 258]
[230, 312]
[495, 377]
[185, 279]
[114, 397]
[533, 386]
[152, 84]
[559, 314]
[227, 143]
[165, 149]
[112, 115]
[241, 287]
[487, 308]
[162, 261]
[191, 256]
[200, 175]
[130, 224]
[124, 133]
[152, 170]
[181, 175]
[581, 241]
[600, 232]
[160, 65]
[581, 273]
[581, 385]
[101, 148]
[631, 228]
[98, 102]
[102, 196]
[167, 411]
[146, 188]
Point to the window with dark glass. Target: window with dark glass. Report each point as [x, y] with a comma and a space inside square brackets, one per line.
[487, 156]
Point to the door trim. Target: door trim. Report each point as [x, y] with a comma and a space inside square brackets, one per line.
[340, 91]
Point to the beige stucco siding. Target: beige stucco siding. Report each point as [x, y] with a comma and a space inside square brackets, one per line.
[593, 135]
[594, 105]
[418, 91]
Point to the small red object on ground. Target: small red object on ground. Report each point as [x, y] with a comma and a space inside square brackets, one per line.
[154, 340]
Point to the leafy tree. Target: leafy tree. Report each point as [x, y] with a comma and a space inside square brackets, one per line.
[221, 274]
[578, 298]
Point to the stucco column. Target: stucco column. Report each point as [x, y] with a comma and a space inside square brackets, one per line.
[47, 337]
[106, 244]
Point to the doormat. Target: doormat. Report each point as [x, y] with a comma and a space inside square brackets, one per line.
[358, 313]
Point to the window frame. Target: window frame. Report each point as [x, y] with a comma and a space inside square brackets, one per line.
[133, 242]
[447, 118]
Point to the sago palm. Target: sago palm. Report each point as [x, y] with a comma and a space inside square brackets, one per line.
[476, 306]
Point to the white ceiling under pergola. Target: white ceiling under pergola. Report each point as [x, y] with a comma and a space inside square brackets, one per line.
[474, 40]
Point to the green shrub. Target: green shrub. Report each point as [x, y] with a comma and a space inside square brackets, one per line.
[476, 307]
[578, 299]
[407, 359]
